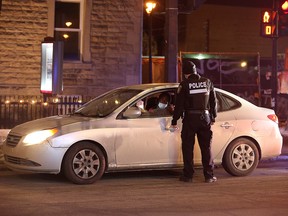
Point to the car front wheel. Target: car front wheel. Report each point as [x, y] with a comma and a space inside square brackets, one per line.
[241, 157]
[84, 163]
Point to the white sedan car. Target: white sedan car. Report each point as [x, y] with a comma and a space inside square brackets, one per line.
[118, 132]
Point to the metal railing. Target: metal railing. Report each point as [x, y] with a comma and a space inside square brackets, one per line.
[15, 110]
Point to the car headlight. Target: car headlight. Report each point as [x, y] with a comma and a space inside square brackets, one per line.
[38, 136]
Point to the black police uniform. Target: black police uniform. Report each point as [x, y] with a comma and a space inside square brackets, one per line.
[197, 101]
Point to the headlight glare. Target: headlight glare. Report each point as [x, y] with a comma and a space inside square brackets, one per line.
[38, 136]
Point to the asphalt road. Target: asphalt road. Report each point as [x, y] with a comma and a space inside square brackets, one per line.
[148, 193]
[264, 192]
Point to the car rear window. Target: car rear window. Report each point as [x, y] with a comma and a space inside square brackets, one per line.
[225, 102]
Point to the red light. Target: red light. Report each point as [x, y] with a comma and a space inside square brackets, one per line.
[273, 117]
[284, 7]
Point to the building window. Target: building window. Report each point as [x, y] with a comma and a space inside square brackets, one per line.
[77, 45]
[68, 27]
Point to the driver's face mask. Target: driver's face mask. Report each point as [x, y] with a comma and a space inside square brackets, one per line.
[162, 105]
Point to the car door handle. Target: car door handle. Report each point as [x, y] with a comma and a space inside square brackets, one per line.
[226, 125]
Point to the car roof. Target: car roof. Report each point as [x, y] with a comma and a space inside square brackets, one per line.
[155, 86]
[150, 85]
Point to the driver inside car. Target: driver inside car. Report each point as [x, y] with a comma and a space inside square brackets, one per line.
[164, 108]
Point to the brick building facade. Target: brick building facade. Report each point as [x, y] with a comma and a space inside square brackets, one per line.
[111, 44]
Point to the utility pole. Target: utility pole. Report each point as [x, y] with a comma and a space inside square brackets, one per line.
[275, 59]
[270, 29]
[171, 34]
[171, 40]
[149, 8]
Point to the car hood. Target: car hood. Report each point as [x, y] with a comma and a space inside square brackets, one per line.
[64, 123]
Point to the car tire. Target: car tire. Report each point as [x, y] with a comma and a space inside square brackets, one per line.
[84, 163]
[241, 157]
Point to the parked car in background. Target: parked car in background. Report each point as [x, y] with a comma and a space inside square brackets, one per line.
[116, 132]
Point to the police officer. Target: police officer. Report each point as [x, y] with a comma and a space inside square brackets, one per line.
[195, 100]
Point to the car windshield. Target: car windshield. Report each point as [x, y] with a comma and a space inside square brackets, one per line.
[106, 103]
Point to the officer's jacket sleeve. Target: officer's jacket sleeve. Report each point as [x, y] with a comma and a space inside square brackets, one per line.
[179, 105]
[212, 103]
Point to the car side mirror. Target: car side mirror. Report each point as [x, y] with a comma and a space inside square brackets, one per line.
[132, 112]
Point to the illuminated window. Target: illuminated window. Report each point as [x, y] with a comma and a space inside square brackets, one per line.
[68, 28]
[66, 23]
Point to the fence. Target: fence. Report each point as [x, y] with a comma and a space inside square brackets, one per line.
[15, 110]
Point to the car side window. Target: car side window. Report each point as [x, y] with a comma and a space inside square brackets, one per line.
[159, 104]
[225, 102]
[154, 105]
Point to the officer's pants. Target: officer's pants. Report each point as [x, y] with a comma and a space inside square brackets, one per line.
[200, 125]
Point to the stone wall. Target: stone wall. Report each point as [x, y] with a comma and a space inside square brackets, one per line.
[115, 43]
[115, 47]
[23, 25]
[116, 29]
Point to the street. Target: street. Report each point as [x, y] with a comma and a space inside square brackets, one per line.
[148, 193]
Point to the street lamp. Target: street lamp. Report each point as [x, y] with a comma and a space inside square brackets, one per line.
[149, 8]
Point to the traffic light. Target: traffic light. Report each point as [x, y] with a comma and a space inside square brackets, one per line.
[268, 23]
[283, 18]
